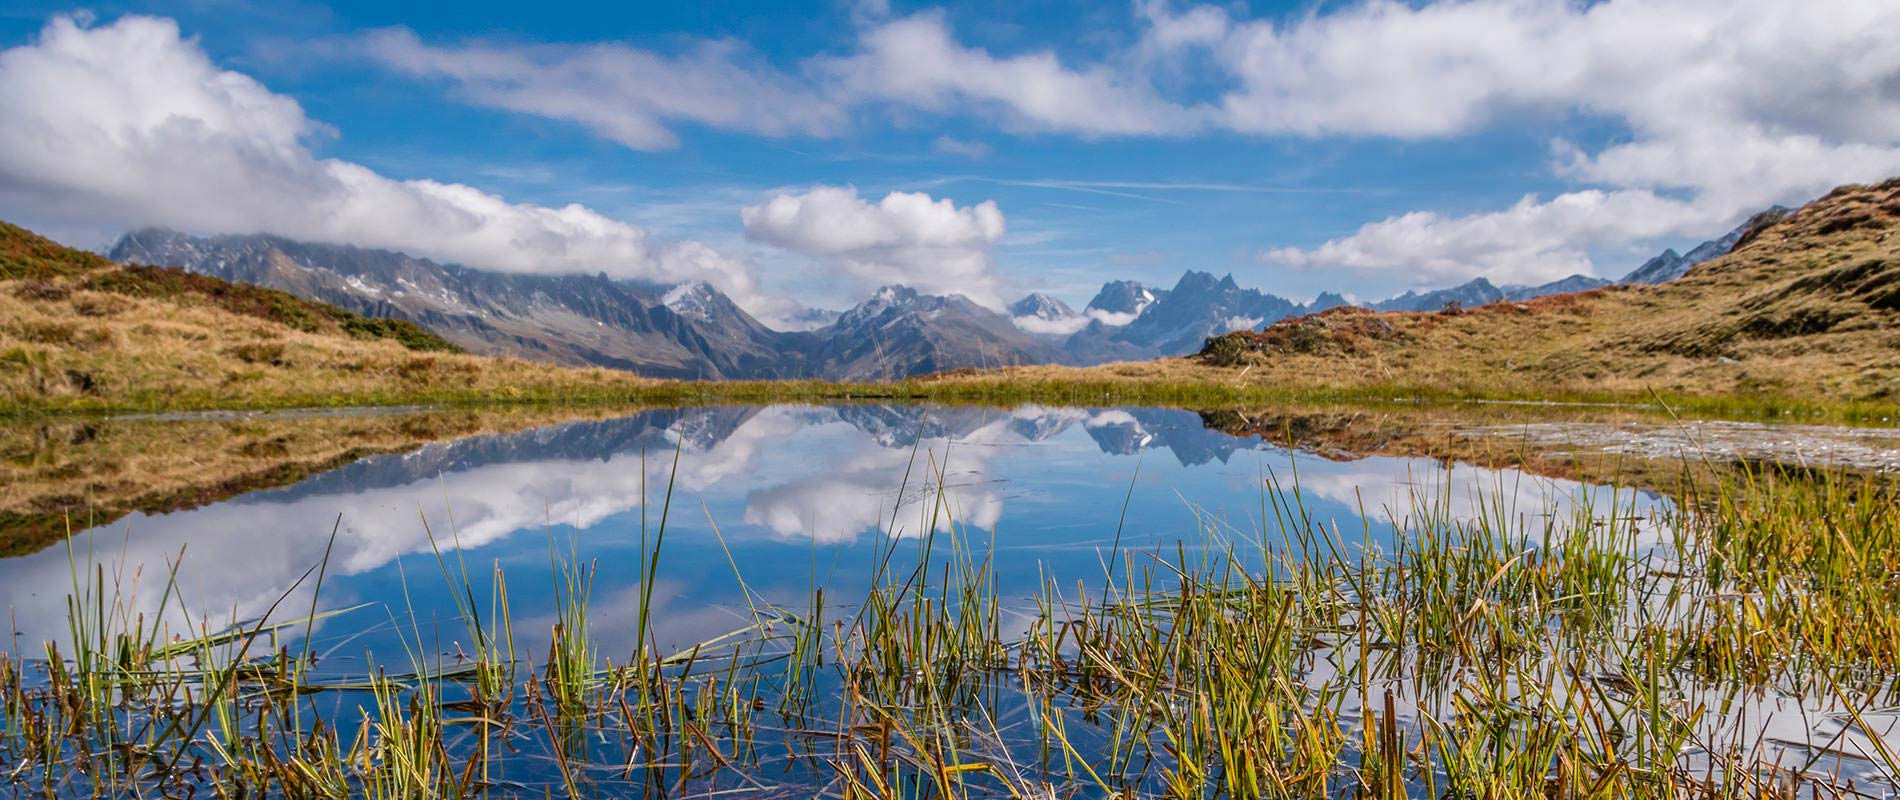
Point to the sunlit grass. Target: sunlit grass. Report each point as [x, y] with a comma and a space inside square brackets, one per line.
[1485, 650]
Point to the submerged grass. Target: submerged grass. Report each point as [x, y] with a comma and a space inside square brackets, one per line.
[1485, 650]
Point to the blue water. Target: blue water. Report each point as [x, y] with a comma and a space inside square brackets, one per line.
[803, 497]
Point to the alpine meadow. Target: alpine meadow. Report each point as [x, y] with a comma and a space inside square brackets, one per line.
[1434, 399]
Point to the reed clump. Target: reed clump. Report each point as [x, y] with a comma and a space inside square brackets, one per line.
[1450, 647]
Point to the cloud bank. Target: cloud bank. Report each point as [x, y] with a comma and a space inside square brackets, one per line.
[1731, 105]
[926, 243]
[1717, 109]
[130, 124]
[1724, 106]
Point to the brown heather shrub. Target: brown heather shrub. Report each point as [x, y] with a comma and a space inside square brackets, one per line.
[271, 353]
[41, 290]
[92, 304]
[1345, 330]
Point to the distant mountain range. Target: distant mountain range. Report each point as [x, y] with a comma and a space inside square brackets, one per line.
[687, 331]
[1803, 305]
[1669, 266]
[695, 331]
[1117, 431]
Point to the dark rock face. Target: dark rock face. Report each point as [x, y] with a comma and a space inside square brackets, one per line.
[1198, 306]
[1574, 283]
[1327, 300]
[1125, 297]
[899, 332]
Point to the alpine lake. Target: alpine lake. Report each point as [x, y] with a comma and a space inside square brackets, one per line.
[867, 600]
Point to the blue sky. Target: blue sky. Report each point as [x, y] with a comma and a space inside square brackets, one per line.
[1358, 147]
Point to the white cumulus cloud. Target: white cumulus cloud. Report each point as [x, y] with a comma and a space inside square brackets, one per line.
[1721, 107]
[1534, 241]
[915, 61]
[1732, 104]
[130, 124]
[926, 243]
[1717, 108]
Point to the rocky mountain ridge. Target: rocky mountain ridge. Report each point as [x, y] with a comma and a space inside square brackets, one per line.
[695, 331]
[1804, 304]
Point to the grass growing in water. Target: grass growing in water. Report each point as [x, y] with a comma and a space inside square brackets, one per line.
[1489, 651]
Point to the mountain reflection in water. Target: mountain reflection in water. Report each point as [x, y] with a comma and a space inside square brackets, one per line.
[800, 494]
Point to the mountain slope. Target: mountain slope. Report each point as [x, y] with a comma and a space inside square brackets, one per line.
[689, 331]
[575, 320]
[1804, 308]
[1574, 283]
[1119, 302]
[898, 332]
[1199, 306]
[1670, 265]
[1041, 306]
[1807, 304]
[1476, 292]
[78, 331]
[1039, 313]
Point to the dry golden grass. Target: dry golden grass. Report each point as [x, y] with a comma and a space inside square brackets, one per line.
[1803, 316]
[78, 332]
[1808, 308]
[92, 348]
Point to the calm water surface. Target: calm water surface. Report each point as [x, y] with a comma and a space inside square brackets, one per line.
[801, 504]
[803, 496]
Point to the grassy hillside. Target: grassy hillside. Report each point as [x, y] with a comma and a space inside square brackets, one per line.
[80, 332]
[1804, 310]
[1804, 314]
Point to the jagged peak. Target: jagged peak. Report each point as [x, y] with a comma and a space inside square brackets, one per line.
[1041, 306]
[1196, 279]
[1327, 300]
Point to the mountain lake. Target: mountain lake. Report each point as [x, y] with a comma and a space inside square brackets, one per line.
[906, 599]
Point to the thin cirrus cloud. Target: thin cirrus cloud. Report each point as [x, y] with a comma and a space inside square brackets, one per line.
[624, 94]
[1726, 105]
[909, 238]
[131, 124]
[952, 146]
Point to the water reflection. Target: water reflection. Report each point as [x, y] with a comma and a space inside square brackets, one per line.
[799, 493]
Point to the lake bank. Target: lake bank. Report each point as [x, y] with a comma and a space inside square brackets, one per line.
[936, 597]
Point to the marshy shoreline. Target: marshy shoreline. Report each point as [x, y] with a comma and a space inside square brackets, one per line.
[1738, 640]
[1507, 654]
